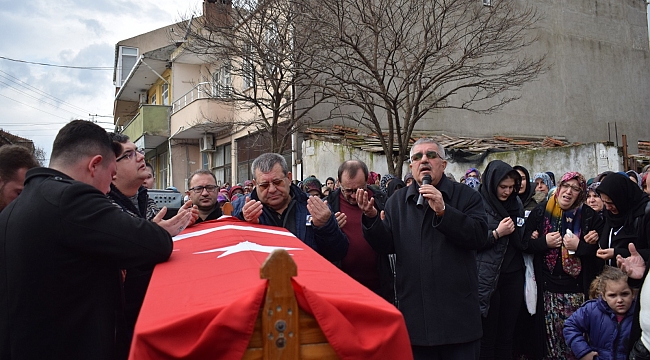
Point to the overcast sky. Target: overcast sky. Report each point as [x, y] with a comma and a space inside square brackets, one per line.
[36, 101]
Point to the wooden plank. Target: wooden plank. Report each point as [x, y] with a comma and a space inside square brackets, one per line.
[280, 313]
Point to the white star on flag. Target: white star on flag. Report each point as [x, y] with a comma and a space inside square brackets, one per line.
[245, 246]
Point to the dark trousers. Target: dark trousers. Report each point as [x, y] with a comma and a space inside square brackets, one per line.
[464, 351]
[499, 325]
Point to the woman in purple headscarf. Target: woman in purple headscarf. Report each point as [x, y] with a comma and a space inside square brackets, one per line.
[562, 234]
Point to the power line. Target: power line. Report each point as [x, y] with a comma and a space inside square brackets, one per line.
[60, 66]
[39, 91]
[35, 98]
[35, 108]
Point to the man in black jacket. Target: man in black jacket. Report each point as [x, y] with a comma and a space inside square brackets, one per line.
[435, 245]
[62, 245]
[130, 195]
[362, 263]
[15, 160]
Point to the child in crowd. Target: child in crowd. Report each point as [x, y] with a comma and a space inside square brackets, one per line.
[600, 329]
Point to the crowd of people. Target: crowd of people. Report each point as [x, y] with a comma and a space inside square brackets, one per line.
[497, 265]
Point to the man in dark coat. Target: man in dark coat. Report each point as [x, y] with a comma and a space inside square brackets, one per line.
[62, 245]
[435, 245]
[362, 263]
[202, 189]
[15, 160]
[277, 202]
[130, 195]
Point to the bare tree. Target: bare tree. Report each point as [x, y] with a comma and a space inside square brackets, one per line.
[252, 42]
[39, 154]
[394, 61]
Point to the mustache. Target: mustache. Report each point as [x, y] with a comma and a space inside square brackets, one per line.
[425, 167]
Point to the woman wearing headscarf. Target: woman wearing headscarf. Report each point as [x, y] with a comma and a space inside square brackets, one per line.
[526, 191]
[385, 180]
[394, 185]
[501, 265]
[562, 235]
[634, 176]
[626, 220]
[473, 172]
[593, 199]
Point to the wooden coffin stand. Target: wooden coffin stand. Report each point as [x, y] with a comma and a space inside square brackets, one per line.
[282, 329]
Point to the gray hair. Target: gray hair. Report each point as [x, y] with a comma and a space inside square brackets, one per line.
[429, 141]
[265, 163]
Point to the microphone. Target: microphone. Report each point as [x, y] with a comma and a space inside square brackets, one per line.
[426, 180]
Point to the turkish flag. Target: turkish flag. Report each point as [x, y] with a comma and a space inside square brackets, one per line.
[203, 302]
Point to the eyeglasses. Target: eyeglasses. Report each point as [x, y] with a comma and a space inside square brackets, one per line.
[275, 182]
[352, 191]
[129, 154]
[430, 155]
[573, 187]
[209, 188]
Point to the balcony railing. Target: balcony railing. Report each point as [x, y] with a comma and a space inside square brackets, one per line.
[204, 90]
[151, 119]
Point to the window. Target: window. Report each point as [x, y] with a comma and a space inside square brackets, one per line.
[247, 66]
[163, 161]
[221, 82]
[487, 2]
[127, 58]
[165, 94]
[223, 164]
[152, 101]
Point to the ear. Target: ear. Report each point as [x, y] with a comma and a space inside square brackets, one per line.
[289, 176]
[444, 165]
[94, 163]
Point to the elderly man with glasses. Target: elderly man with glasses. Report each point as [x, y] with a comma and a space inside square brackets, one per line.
[435, 245]
[203, 191]
[276, 201]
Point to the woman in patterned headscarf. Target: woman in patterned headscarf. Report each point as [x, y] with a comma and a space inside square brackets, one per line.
[383, 183]
[562, 234]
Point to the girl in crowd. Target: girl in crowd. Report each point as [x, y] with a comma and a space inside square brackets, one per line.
[563, 236]
[626, 218]
[526, 191]
[501, 265]
[600, 329]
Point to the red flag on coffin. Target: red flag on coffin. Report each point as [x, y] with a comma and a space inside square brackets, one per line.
[203, 302]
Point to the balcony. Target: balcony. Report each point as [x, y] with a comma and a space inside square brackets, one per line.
[206, 108]
[150, 127]
[204, 90]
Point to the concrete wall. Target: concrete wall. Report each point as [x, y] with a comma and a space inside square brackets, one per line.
[600, 73]
[323, 159]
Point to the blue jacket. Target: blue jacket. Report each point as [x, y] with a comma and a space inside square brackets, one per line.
[607, 336]
[328, 240]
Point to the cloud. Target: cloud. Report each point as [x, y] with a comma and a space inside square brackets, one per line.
[69, 32]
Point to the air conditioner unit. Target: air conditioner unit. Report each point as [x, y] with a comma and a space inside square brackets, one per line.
[207, 143]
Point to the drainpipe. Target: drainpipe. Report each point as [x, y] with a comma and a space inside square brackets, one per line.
[169, 145]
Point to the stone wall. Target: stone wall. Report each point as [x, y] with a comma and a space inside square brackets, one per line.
[323, 159]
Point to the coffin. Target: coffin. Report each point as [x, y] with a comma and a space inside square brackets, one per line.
[222, 295]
